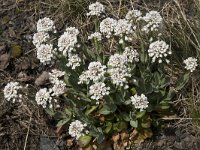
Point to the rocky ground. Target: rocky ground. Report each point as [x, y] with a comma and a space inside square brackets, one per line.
[26, 126]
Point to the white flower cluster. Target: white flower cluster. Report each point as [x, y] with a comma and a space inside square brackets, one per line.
[123, 27]
[44, 51]
[158, 50]
[131, 54]
[98, 90]
[154, 21]
[118, 70]
[59, 86]
[73, 61]
[95, 73]
[95, 35]
[11, 92]
[140, 102]
[96, 9]
[43, 97]
[45, 25]
[133, 14]
[55, 74]
[107, 26]
[66, 43]
[191, 63]
[39, 38]
[76, 129]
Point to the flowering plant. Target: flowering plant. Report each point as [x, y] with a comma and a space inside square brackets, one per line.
[115, 81]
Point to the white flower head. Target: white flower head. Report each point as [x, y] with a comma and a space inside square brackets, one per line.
[159, 50]
[131, 54]
[117, 60]
[95, 35]
[45, 53]
[76, 129]
[58, 88]
[39, 38]
[119, 76]
[55, 74]
[95, 73]
[107, 26]
[84, 78]
[140, 102]
[67, 42]
[45, 25]
[96, 9]
[191, 63]
[72, 31]
[43, 97]
[154, 21]
[133, 14]
[11, 92]
[98, 90]
[118, 70]
[123, 27]
[73, 61]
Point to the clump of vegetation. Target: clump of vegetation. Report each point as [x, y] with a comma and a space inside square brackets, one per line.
[116, 81]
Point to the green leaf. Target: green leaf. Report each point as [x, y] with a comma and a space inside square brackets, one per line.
[50, 112]
[107, 109]
[63, 122]
[16, 50]
[108, 127]
[100, 138]
[133, 91]
[182, 81]
[119, 126]
[125, 116]
[90, 110]
[140, 114]
[84, 140]
[134, 123]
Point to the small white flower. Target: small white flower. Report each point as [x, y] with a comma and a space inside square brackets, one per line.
[107, 26]
[45, 53]
[154, 21]
[159, 50]
[58, 88]
[45, 25]
[76, 129]
[55, 74]
[11, 92]
[123, 27]
[73, 61]
[95, 35]
[96, 9]
[140, 102]
[43, 97]
[131, 54]
[39, 38]
[98, 90]
[133, 14]
[191, 63]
